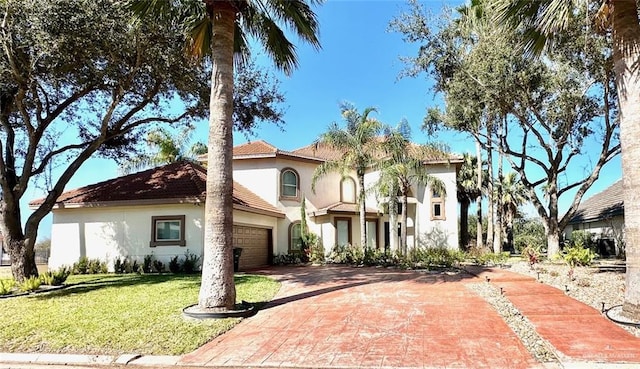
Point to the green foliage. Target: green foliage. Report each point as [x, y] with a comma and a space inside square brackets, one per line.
[582, 239]
[174, 265]
[316, 249]
[84, 265]
[6, 286]
[190, 263]
[55, 278]
[147, 264]
[346, 254]
[81, 266]
[158, 266]
[122, 266]
[30, 284]
[287, 259]
[490, 258]
[528, 232]
[578, 256]
[436, 257]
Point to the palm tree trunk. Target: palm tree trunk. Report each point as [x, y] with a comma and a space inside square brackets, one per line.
[393, 222]
[626, 53]
[218, 288]
[497, 236]
[479, 242]
[490, 202]
[363, 212]
[403, 223]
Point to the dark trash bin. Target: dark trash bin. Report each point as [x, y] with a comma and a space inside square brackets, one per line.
[237, 251]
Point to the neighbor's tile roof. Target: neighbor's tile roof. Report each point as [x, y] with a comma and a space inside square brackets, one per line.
[602, 205]
[173, 183]
[258, 147]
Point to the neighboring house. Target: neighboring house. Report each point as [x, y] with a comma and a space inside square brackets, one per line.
[158, 211]
[161, 211]
[603, 216]
[283, 178]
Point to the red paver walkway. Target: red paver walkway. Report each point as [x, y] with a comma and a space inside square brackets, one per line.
[369, 318]
[578, 331]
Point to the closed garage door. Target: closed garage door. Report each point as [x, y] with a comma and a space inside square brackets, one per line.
[255, 246]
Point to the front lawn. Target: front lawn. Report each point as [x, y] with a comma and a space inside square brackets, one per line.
[116, 314]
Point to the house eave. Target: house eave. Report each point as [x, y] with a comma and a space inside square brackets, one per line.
[249, 209]
[102, 204]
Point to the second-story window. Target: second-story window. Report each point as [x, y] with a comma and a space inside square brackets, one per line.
[289, 183]
[437, 206]
[348, 190]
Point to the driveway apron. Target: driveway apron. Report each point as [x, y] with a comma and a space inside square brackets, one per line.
[339, 317]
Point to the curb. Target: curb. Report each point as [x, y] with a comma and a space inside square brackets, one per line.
[69, 359]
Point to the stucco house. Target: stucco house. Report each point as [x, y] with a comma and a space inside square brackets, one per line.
[603, 216]
[160, 211]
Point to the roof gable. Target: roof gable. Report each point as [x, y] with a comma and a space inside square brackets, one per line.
[180, 182]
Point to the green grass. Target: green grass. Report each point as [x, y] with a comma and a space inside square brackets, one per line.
[115, 314]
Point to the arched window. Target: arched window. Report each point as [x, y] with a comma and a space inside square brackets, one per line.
[295, 236]
[289, 183]
[348, 190]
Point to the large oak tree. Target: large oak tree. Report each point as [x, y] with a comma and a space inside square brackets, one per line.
[79, 79]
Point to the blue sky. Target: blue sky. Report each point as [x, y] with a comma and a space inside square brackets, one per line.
[359, 62]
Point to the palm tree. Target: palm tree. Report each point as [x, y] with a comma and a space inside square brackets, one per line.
[405, 162]
[220, 29]
[166, 148]
[467, 189]
[514, 194]
[359, 146]
[544, 20]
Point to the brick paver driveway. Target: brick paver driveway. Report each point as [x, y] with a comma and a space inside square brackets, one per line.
[339, 317]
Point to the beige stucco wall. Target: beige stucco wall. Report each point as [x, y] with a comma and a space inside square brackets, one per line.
[262, 176]
[107, 233]
[602, 229]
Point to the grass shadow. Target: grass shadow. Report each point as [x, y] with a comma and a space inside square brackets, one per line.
[116, 281]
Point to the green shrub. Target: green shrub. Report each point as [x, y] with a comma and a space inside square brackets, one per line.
[6, 286]
[84, 265]
[55, 278]
[147, 264]
[174, 265]
[578, 256]
[346, 254]
[378, 257]
[81, 266]
[190, 263]
[96, 266]
[158, 266]
[436, 257]
[287, 259]
[30, 284]
[582, 239]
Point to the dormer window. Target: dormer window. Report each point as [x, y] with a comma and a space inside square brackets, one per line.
[348, 190]
[289, 183]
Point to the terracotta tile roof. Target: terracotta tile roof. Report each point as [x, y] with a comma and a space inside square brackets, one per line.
[262, 149]
[326, 152]
[341, 207]
[173, 183]
[602, 205]
[259, 147]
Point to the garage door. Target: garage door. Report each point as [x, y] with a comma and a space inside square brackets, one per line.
[255, 246]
